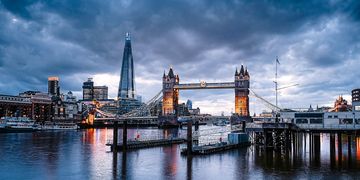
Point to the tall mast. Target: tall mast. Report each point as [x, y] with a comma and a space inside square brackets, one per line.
[276, 82]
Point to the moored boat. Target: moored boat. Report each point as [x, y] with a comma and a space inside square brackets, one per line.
[59, 126]
[17, 124]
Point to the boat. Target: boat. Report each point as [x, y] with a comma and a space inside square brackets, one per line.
[17, 124]
[221, 122]
[59, 126]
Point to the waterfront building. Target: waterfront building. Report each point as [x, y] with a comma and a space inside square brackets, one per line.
[91, 92]
[53, 86]
[41, 105]
[127, 99]
[341, 105]
[355, 94]
[15, 106]
[194, 112]
[182, 110]
[66, 108]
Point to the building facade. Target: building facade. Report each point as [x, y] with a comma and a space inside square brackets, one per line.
[88, 90]
[355, 96]
[53, 86]
[91, 92]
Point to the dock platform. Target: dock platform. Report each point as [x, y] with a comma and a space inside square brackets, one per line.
[214, 148]
[148, 143]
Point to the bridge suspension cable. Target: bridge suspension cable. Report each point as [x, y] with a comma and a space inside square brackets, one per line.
[266, 102]
[144, 109]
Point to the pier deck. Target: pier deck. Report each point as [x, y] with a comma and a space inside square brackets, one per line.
[148, 143]
[214, 148]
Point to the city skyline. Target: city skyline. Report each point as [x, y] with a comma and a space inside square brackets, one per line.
[314, 41]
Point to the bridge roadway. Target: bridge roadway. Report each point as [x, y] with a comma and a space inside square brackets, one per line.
[134, 118]
[205, 85]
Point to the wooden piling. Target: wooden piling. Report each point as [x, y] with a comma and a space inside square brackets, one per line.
[124, 147]
[189, 137]
[339, 149]
[115, 136]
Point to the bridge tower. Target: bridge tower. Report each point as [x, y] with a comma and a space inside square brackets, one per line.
[170, 94]
[242, 85]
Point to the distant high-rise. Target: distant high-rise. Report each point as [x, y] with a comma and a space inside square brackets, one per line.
[127, 84]
[91, 92]
[53, 86]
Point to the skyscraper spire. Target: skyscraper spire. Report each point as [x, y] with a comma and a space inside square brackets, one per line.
[127, 84]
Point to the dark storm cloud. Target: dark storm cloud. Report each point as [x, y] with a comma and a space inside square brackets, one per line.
[201, 39]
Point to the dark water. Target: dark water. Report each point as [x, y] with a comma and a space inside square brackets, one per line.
[83, 155]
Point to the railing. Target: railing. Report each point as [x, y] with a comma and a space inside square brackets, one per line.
[148, 138]
[254, 125]
[205, 85]
[329, 126]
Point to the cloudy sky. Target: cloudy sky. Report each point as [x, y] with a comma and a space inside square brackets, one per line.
[317, 44]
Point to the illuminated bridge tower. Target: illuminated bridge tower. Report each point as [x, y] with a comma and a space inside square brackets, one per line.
[170, 94]
[242, 85]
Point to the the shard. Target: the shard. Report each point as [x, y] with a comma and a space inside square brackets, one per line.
[127, 83]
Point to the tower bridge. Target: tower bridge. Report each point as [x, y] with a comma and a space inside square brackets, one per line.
[171, 86]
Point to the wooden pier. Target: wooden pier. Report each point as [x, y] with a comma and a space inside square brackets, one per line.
[213, 148]
[147, 143]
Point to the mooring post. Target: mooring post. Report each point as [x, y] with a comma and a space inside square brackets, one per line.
[349, 148]
[115, 137]
[189, 137]
[243, 126]
[124, 145]
[196, 125]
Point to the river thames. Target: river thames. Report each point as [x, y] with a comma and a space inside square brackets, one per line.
[83, 154]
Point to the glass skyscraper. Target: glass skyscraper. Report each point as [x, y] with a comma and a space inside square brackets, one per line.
[127, 83]
[126, 93]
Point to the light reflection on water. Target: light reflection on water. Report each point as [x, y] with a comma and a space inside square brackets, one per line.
[83, 155]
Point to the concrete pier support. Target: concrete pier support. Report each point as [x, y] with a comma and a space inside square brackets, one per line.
[269, 142]
[311, 145]
[339, 149]
[124, 147]
[332, 150]
[189, 138]
[316, 148]
[115, 137]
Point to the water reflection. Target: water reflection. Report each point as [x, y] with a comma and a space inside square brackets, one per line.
[83, 155]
